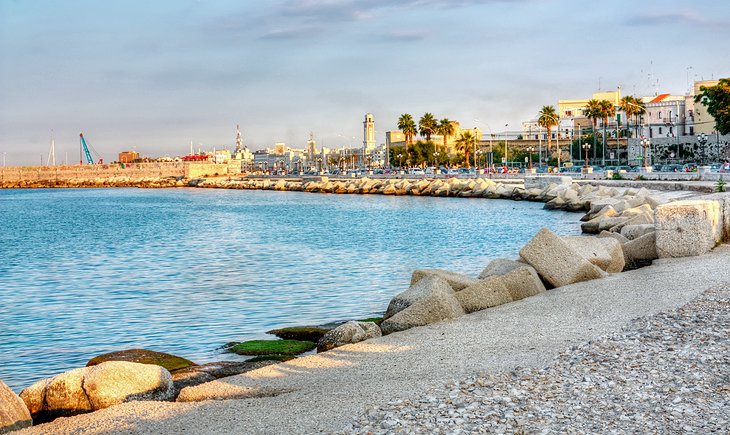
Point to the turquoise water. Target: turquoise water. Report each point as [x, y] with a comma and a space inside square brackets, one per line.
[88, 271]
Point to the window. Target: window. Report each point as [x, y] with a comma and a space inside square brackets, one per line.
[691, 131]
[660, 117]
[660, 130]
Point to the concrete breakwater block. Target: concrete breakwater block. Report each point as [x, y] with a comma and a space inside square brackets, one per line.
[484, 294]
[543, 181]
[556, 261]
[429, 300]
[457, 281]
[687, 228]
[520, 279]
[605, 253]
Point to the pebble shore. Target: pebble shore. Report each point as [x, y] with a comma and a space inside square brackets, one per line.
[667, 373]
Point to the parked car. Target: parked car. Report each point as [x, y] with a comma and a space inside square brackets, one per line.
[416, 171]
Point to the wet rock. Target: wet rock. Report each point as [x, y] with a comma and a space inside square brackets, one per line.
[348, 333]
[305, 333]
[272, 347]
[143, 356]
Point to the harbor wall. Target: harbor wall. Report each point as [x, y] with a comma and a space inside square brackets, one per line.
[131, 170]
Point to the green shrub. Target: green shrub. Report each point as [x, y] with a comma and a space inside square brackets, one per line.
[641, 178]
[617, 176]
[720, 185]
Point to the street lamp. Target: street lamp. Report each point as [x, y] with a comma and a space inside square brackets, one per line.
[436, 159]
[505, 144]
[479, 153]
[646, 143]
[702, 139]
[400, 161]
[586, 148]
[530, 150]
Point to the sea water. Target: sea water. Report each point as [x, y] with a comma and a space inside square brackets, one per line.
[184, 271]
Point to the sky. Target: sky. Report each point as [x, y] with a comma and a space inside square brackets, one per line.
[152, 76]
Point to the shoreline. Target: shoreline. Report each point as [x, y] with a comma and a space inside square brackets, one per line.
[325, 392]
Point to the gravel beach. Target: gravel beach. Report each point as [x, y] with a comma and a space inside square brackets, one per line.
[495, 350]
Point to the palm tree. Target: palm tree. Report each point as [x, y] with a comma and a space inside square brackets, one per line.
[427, 126]
[608, 110]
[408, 127]
[632, 106]
[593, 112]
[465, 143]
[547, 118]
[446, 129]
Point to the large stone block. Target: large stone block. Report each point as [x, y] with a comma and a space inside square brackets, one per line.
[430, 300]
[542, 181]
[555, 261]
[520, 279]
[632, 232]
[484, 294]
[14, 414]
[603, 252]
[640, 252]
[621, 239]
[457, 281]
[687, 228]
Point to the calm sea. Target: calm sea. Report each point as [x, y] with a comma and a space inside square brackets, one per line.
[88, 271]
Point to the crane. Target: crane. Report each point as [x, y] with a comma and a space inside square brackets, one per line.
[85, 149]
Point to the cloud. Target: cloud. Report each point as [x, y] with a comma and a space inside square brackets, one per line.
[292, 33]
[404, 36]
[686, 17]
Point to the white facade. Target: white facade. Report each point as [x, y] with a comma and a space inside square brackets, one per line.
[368, 133]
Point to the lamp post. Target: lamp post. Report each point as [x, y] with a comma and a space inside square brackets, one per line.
[586, 147]
[436, 159]
[702, 139]
[479, 153]
[505, 144]
[530, 150]
[646, 143]
[400, 161]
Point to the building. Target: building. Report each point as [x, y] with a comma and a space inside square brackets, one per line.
[703, 122]
[368, 134]
[664, 117]
[128, 156]
[397, 138]
[311, 147]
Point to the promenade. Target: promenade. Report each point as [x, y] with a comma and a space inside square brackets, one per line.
[327, 393]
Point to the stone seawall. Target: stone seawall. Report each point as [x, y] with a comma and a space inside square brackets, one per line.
[73, 175]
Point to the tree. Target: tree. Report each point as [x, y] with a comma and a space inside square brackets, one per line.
[446, 129]
[408, 127]
[427, 126]
[607, 110]
[465, 143]
[547, 118]
[717, 100]
[632, 106]
[593, 112]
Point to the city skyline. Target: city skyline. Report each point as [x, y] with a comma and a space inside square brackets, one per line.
[155, 77]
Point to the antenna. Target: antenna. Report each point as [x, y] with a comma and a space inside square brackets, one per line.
[52, 151]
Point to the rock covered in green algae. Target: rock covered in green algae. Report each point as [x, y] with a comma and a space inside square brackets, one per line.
[144, 356]
[303, 333]
[272, 347]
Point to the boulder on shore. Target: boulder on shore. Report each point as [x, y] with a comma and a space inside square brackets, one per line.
[687, 228]
[556, 261]
[348, 333]
[430, 300]
[640, 252]
[92, 388]
[14, 414]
